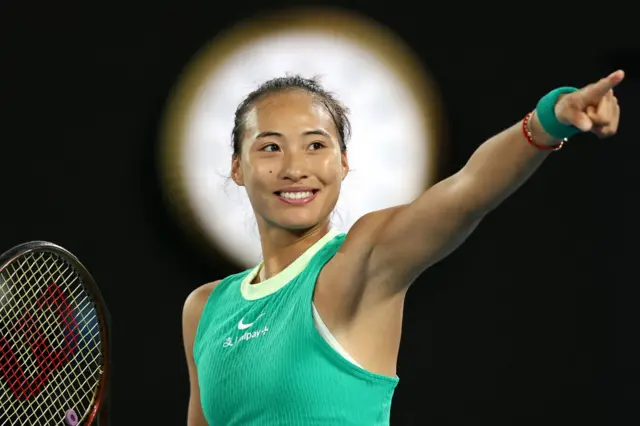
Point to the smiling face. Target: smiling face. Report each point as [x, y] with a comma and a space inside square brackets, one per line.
[290, 163]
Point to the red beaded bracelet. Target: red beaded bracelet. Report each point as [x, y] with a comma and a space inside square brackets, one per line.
[527, 134]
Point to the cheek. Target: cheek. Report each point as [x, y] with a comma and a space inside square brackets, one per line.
[331, 170]
[259, 175]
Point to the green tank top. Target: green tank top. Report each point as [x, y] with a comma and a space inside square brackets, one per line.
[261, 360]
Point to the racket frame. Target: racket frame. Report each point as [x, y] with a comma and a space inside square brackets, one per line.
[99, 412]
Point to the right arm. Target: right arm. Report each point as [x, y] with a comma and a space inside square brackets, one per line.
[193, 307]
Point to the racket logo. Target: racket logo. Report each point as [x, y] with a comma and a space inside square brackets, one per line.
[47, 358]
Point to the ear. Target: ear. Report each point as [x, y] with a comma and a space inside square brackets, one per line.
[344, 160]
[236, 170]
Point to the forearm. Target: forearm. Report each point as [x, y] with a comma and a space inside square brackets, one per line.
[500, 166]
[404, 241]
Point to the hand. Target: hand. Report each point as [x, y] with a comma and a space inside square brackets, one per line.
[593, 108]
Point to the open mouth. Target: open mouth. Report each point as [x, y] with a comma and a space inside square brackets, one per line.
[297, 197]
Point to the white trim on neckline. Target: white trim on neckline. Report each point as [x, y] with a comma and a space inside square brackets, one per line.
[271, 285]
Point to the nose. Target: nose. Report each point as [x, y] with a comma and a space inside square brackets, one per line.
[294, 167]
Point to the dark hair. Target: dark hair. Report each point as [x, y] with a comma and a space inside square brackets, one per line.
[312, 86]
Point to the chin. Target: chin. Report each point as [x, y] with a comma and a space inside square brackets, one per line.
[298, 223]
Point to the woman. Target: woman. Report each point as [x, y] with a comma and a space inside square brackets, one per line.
[311, 335]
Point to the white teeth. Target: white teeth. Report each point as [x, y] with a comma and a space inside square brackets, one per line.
[296, 195]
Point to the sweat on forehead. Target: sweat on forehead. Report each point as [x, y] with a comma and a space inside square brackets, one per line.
[288, 118]
[288, 104]
[288, 113]
[297, 88]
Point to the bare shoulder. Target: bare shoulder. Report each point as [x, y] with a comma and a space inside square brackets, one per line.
[194, 305]
[362, 236]
[353, 275]
[346, 273]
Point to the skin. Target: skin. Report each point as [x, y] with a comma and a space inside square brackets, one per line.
[289, 141]
[360, 292]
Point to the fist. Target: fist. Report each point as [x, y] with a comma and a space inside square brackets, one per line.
[594, 108]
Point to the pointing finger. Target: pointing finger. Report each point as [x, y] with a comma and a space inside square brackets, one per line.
[596, 91]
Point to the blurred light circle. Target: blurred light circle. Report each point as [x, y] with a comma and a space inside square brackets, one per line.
[394, 114]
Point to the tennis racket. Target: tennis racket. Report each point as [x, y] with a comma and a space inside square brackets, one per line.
[54, 339]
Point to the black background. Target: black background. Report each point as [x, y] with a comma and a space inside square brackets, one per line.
[532, 321]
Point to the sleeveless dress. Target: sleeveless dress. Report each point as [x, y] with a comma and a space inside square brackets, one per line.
[264, 357]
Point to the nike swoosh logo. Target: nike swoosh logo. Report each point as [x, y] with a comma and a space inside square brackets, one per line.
[243, 326]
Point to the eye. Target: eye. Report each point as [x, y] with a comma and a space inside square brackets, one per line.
[272, 147]
[316, 145]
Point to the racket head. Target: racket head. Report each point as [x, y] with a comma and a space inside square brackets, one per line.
[54, 338]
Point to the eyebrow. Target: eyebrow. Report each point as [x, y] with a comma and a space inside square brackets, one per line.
[307, 133]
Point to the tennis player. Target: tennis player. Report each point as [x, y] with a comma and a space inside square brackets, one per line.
[310, 336]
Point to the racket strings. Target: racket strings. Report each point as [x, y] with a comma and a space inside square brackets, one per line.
[24, 322]
[43, 297]
[22, 270]
[27, 325]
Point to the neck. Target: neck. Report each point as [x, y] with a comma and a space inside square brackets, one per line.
[281, 247]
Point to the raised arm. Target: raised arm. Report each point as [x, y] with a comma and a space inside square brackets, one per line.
[402, 242]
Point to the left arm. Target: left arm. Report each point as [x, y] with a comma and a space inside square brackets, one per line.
[405, 240]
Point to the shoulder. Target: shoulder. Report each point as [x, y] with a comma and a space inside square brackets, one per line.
[194, 305]
[350, 272]
[363, 235]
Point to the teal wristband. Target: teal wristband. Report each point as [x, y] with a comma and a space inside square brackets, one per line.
[547, 115]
